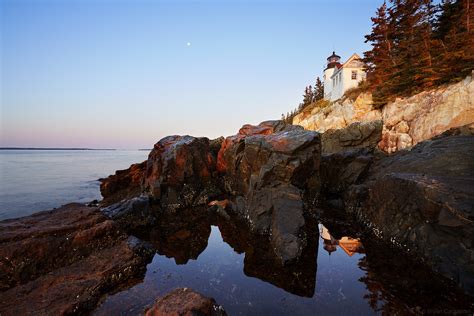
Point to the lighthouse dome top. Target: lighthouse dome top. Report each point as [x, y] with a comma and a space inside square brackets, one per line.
[333, 57]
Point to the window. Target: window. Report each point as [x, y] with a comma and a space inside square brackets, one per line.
[354, 74]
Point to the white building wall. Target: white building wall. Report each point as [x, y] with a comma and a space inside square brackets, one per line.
[342, 81]
[328, 83]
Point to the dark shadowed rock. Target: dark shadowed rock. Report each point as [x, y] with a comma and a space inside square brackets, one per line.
[356, 135]
[124, 184]
[63, 261]
[273, 169]
[341, 170]
[423, 201]
[133, 214]
[185, 302]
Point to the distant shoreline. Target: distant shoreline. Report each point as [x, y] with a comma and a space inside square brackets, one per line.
[33, 148]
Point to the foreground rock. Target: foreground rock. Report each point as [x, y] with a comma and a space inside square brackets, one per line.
[272, 170]
[185, 302]
[423, 201]
[63, 261]
[179, 173]
[124, 184]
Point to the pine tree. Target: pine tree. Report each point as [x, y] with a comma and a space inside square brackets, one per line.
[378, 59]
[307, 96]
[318, 91]
[453, 37]
[411, 51]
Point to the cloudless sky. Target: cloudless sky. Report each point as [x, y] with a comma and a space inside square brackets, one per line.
[123, 74]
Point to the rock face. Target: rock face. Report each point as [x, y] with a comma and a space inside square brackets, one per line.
[178, 173]
[178, 168]
[427, 114]
[124, 184]
[423, 200]
[273, 169]
[406, 122]
[63, 261]
[339, 115]
[185, 302]
[356, 135]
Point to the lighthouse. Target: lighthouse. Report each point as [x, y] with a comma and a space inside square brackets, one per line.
[332, 65]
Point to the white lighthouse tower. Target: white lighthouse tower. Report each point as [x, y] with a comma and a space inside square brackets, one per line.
[332, 65]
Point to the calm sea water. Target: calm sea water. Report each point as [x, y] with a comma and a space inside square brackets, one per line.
[37, 180]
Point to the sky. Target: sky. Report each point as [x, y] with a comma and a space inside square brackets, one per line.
[124, 74]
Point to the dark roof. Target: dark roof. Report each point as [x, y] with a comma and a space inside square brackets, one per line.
[333, 55]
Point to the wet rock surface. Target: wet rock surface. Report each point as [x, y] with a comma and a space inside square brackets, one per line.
[186, 302]
[63, 261]
[422, 200]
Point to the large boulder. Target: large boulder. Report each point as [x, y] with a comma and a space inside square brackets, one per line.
[423, 201]
[124, 184]
[179, 172]
[63, 261]
[185, 302]
[274, 169]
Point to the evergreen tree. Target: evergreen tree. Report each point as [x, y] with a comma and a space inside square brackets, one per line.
[453, 39]
[379, 60]
[318, 91]
[307, 96]
[411, 52]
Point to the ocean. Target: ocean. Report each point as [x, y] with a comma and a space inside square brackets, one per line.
[37, 180]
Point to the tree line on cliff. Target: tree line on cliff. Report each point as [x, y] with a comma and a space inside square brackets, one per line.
[416, 45]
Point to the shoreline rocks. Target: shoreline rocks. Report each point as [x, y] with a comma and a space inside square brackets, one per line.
[63, 261]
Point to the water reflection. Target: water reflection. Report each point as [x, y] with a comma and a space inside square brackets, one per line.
[339, 271]
[348, 244]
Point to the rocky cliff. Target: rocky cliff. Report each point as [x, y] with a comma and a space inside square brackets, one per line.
[406, 122]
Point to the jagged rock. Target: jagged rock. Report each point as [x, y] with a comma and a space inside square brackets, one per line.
[125, 184]
[356, 135]
[179, 172]
[274, 167]
[185, 302]
[62, 261]
[423, 200]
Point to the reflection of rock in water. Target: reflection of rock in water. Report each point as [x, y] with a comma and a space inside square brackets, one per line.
[297, 277]
[184, 234]
[181, 235]
[395, 283]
